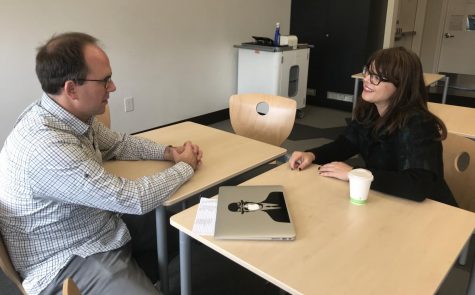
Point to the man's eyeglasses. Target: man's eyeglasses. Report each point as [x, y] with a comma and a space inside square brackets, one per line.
[107, 81]
[374, 78]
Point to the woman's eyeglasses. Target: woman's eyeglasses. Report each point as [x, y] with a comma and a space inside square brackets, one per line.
[374, 78]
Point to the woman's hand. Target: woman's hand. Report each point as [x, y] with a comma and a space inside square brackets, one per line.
[301, 160]
[335, 169]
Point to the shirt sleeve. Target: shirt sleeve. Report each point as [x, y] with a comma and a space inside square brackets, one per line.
[66, 171]
[119, 146]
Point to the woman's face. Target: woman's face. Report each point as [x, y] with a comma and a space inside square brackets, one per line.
[378, 94]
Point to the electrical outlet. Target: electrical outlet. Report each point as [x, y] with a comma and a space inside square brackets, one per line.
[128, 104]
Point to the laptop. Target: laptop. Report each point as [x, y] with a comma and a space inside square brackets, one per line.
[253, 213]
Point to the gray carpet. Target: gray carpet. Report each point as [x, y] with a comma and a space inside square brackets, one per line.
[303, 132]
[7, 286]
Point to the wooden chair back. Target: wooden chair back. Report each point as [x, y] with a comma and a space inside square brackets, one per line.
[264, 117]
[459, 151]
[457, 119]
[70, 288]
[105, 118]
[459, 169]
[7, 267]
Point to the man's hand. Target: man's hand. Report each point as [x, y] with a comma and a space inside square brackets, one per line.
[196, 151]
[186, 154]
[189, 153]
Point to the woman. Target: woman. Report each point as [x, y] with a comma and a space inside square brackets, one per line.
[393, 131]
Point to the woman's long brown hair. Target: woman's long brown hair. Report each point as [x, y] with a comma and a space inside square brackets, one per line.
[404, 69]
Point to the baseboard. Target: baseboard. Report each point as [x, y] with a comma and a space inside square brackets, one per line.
[205, 119]
[453, 100]
[330, 103]
[347, 106]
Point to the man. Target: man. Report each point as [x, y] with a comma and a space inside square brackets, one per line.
[60, 211]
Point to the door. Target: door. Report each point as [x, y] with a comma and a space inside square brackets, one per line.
[339, 31]
[405, 24]
[458, 40]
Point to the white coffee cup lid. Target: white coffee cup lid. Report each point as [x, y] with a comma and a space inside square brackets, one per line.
[361, 174]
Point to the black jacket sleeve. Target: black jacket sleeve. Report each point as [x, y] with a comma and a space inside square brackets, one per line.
[339, 150]
[413, 184]
[419, 174]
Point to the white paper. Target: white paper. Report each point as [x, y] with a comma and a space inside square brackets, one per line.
[205, 217]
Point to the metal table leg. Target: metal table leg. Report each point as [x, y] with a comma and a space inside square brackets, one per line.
[463, 255]
[355, 93]
[162, 247]
[185, 264]
[446, 88]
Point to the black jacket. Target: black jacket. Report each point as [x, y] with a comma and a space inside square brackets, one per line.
[407, 163]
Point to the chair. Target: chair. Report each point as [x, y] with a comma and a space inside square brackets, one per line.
[457, 119]
[459, 172]
[459, 169]
[7, 267]
[105, 118]
[264, 117]
[458, 149]
[70, 288]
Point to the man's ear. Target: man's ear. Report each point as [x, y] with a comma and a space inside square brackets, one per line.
[70, 89]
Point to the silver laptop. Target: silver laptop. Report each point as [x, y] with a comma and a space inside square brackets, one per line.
[253, 213]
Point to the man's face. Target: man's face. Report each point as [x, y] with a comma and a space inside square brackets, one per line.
[92, 96]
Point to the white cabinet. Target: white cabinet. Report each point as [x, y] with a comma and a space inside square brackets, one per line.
[274, 70]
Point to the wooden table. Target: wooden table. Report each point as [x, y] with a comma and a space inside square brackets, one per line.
[429, 79]
[388, 246]
[457, 119]
[225, 155]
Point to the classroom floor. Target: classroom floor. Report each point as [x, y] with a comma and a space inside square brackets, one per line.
[215, 274]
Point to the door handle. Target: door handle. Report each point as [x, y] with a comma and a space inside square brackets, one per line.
[448, 35]
[400, 34]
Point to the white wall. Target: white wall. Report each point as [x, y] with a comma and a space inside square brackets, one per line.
[176, 58]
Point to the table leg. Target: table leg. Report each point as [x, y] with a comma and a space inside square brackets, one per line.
[463, 255]
[162, 247]
[185, 264]
[355, 93]
[184, 205]
[446, 88]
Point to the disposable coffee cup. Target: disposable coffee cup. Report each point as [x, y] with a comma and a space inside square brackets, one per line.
[360, 182]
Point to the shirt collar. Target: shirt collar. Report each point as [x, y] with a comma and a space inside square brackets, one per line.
[63, 115]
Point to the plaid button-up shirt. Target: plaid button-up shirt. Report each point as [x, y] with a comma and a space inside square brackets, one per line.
[56, 199]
